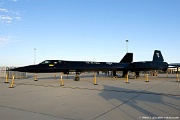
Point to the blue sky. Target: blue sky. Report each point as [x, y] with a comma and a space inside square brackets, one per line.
[91, 30]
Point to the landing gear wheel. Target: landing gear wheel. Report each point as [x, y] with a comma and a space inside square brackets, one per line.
[115, 76]
[77, 78]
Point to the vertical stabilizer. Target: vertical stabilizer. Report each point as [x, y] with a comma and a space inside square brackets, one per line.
[158, 56]
[128, 58]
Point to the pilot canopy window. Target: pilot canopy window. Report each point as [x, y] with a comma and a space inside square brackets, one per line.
[45, 62]
[50, 62]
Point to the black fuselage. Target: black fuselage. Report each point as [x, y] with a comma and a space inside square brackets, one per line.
[125, 65]
[49, 66]
[148, 65]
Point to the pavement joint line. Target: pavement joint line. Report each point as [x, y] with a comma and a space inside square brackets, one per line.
[143, 91]
[164, 94]
[156, 84]
[108, 90]
[117, 106]
[36, 112]
[25, 92]
[135, 94]
[171, 106]
[159, 109]
[140, 93]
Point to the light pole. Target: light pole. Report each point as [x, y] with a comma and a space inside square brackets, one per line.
[34, 56]
[127, 45]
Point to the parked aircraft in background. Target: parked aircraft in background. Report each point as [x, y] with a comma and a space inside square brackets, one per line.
[174, 65]
[125, 65]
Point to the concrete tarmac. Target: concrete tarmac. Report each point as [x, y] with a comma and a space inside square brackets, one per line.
[111, 99]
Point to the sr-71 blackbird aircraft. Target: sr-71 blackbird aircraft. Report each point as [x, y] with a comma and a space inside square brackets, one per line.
[125, 65]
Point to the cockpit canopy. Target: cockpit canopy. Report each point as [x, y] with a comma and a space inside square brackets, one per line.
[51, 62]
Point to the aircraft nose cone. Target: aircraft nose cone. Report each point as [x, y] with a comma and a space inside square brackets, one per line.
[16, 69]
[22, 69]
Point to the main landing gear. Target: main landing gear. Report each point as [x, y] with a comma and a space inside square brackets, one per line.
[77, 78]
[114, 74]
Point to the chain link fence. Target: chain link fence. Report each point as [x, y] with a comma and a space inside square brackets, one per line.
[17, 75]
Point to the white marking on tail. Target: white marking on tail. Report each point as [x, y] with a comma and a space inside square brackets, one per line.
[157, 54]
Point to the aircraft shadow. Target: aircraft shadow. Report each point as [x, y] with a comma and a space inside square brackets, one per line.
[141, 101]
